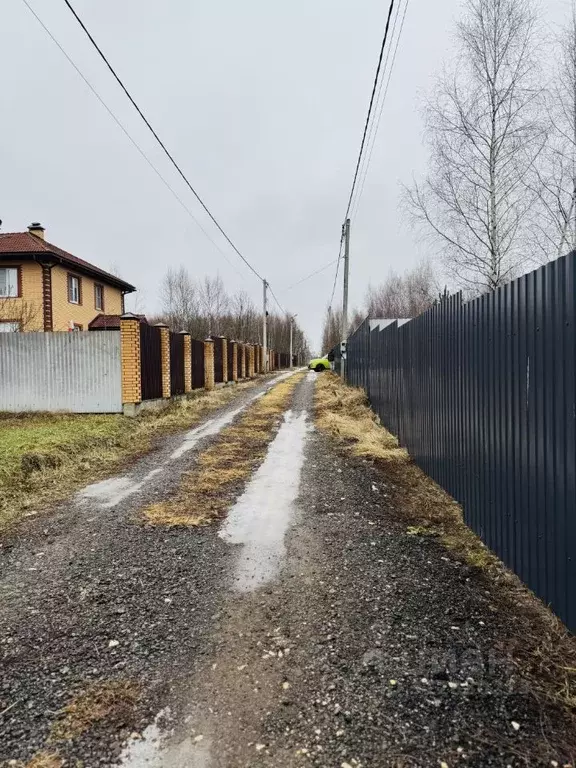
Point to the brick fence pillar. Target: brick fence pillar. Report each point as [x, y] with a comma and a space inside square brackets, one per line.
[234, 376]
[187, 341]
[130, 359]
[225, 372]
[263, 366]
[257, 358]
[242, 353]
[251, 370]
[165, 358]
[209, 364]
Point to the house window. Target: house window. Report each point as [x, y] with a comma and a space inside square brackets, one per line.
[9, 282]
[74, 290]
[99, 297]
[9, 326]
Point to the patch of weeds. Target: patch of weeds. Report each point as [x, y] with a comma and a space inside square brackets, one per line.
[46, 456]
[541, 646]
[208, 490]
[112, 701]
[45, 760]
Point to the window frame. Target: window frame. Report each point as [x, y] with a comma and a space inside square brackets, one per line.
[69, 277]
[18, 268]
[99, 286]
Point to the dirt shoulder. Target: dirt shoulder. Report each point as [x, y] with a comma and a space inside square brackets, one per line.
[44, 457]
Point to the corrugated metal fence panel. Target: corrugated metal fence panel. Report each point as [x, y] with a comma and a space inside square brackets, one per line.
[483, 395]
[78, 372]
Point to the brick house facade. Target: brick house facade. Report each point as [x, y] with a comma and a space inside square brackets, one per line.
[44, 288]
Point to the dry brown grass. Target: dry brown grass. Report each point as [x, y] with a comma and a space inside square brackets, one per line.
[112, 701]
[209, 489]
[539, 643]
[45, 760]
[72, 450]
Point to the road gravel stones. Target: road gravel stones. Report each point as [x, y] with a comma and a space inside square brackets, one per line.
[373, 647]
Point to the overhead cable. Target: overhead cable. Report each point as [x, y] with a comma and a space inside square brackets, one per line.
[128, 135]
[159, 140]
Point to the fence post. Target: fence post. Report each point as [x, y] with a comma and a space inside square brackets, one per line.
[208, 364]
[187, 342]
[242, 350]
[225, 375]
[130, 363]
[165, 358]
[251, 350]
[234, 376]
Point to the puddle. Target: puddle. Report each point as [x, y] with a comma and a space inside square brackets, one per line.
[157, 749]
[209, 429]
[261, 516]
[111, 492]
[213, 426]
[114, 490]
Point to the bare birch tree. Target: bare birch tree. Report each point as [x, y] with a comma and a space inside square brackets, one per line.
[554, 179]
[403, 296]
[178, 298]
[485, 133]
[20, 315]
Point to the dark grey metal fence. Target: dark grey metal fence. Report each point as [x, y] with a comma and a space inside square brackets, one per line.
[197, 364]
[483, 395]
[177, 384]
[150, 361]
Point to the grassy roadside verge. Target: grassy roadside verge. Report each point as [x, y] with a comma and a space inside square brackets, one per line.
[45, 457]
[221, 471]
[538, 643]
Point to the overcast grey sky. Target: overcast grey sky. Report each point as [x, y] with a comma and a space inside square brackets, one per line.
[262, 104]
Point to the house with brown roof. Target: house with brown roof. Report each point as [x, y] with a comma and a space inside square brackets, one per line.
[44, 288]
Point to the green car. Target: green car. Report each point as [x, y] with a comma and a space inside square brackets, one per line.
[319, 364]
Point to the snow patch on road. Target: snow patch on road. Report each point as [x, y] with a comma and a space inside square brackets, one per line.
[260, 518]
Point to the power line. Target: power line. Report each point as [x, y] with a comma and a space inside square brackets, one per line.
[368, 116]
[280, 307]
[336, 275]
[381, 110]
[158, 139]
[127, 134]
[378, 104]
[312, 274]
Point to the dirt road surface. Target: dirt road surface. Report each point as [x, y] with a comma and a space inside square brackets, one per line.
[305, 627]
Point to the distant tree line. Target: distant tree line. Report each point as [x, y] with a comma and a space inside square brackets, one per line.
[204, 308]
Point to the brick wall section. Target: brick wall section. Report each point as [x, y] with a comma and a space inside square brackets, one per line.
[235, 345]
[130, 359]
[187, 363]
[251, 350]
[209, 364]
[64, 313]
[29, 307]
[224, 360]
[165, 357]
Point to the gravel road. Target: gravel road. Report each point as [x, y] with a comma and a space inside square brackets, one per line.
[307, 628]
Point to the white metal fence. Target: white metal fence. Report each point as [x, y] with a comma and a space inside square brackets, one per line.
[78, 372]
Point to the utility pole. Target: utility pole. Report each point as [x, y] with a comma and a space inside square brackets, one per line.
[346, 236]
[292, 318]
[265, 326]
